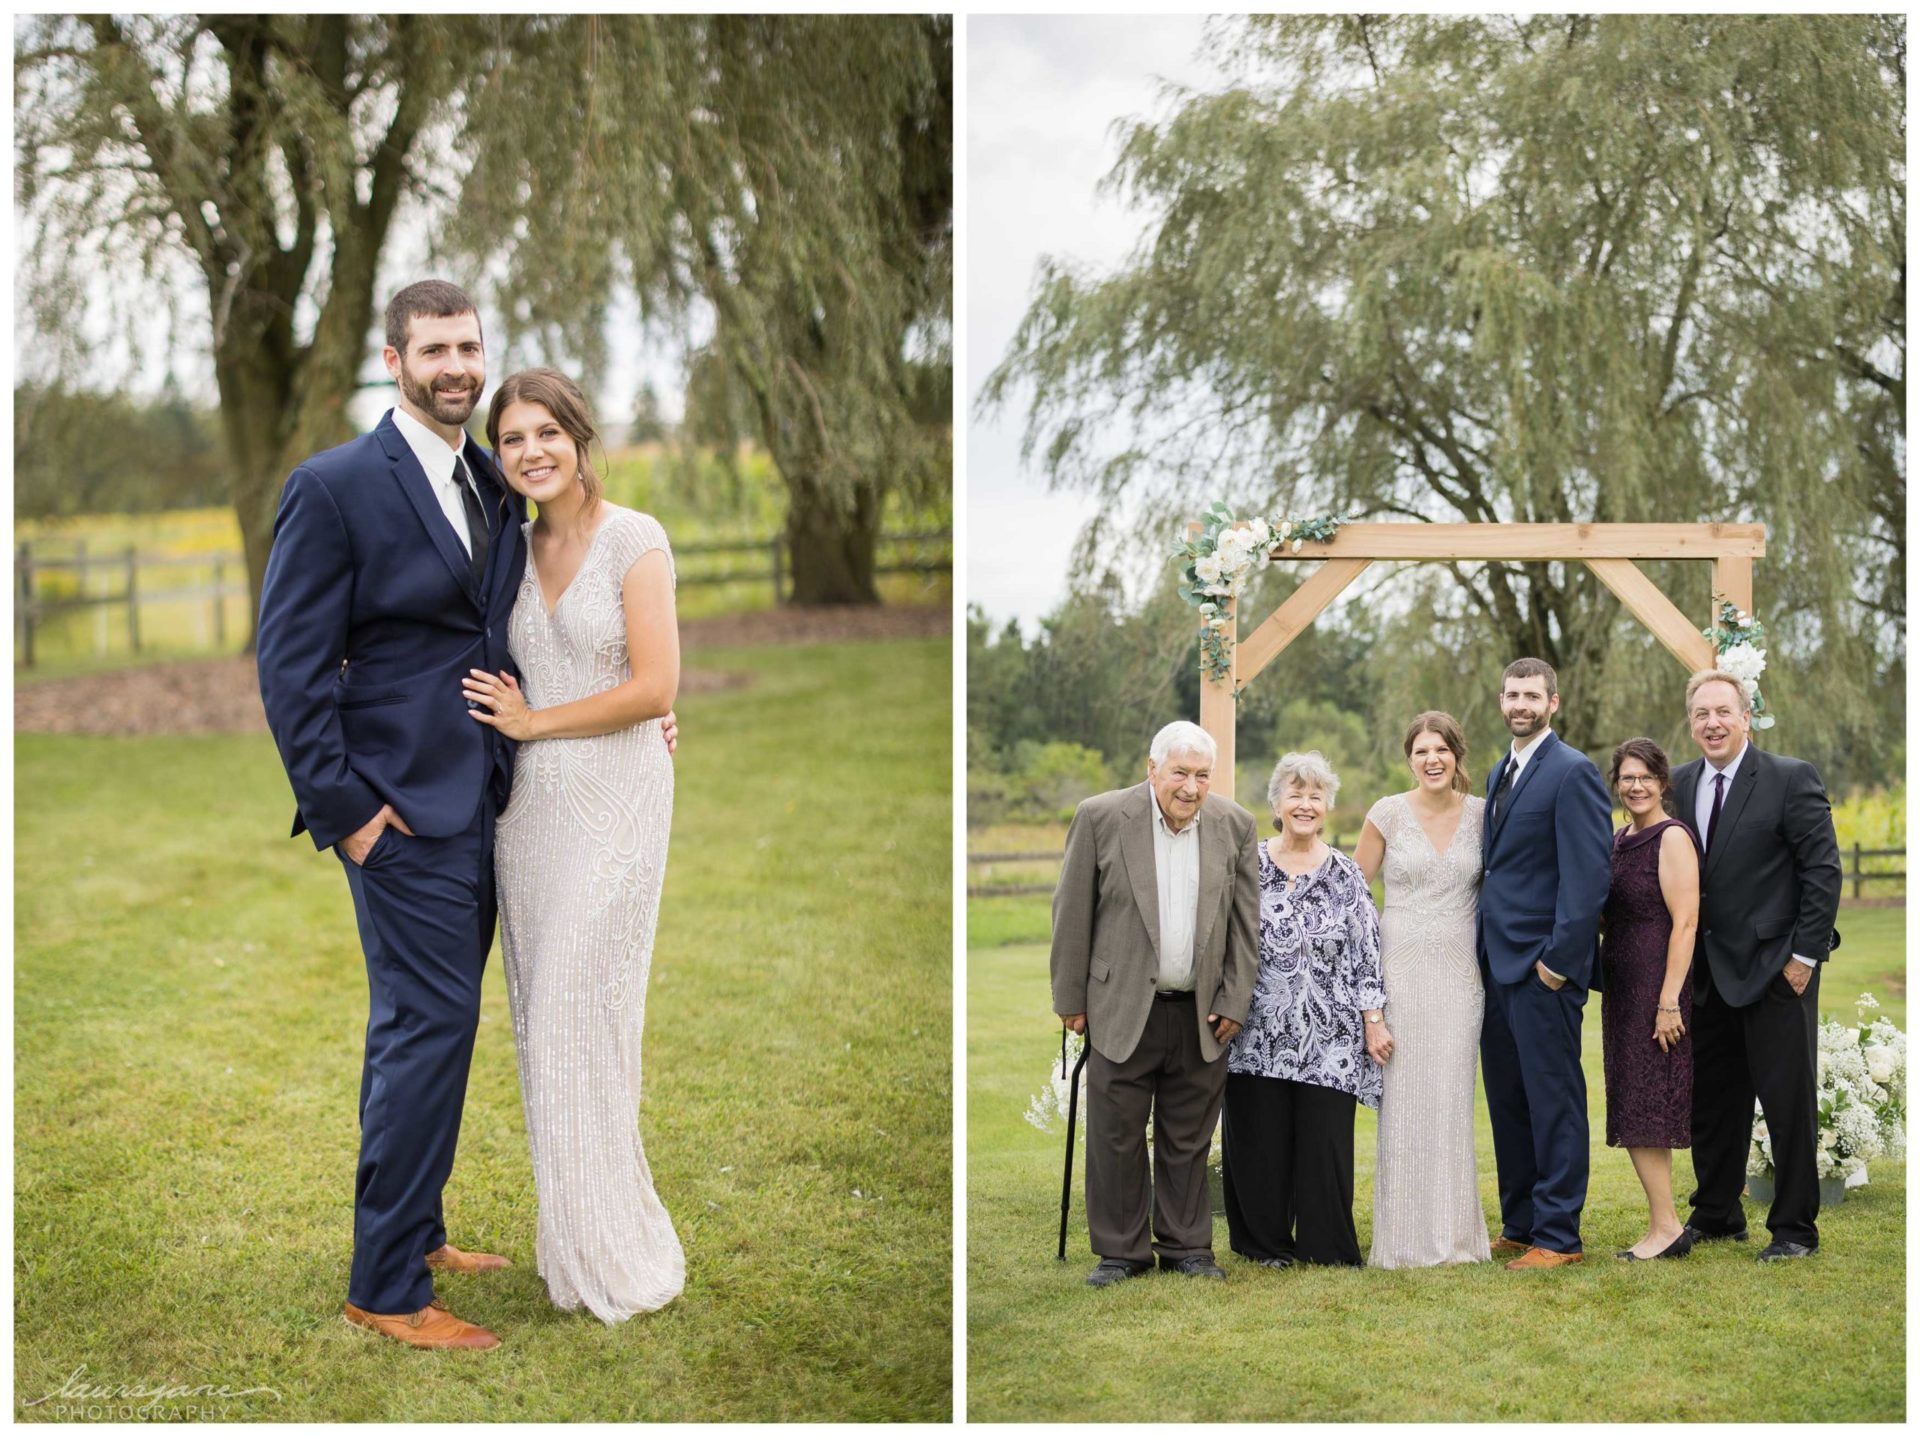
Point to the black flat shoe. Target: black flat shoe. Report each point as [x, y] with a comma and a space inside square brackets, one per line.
[1679, 1247]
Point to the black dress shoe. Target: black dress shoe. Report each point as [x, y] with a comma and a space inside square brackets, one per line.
[1112, 1270]
[1192, 1266]
[1702, 1235]
[1275, 1262]
[1777, 1251]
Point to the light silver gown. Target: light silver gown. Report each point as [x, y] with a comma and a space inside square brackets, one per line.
[1426, 1188]
[581, 853]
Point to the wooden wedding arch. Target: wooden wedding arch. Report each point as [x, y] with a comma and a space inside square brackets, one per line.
[1610, 550]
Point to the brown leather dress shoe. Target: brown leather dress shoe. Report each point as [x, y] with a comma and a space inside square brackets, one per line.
[1535, 1258]
[432, 1326]
[1507, 1244]
[448, 1258]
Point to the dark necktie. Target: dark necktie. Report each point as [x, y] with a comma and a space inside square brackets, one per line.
[477, 537]
[1500, 793]
[1713, 817]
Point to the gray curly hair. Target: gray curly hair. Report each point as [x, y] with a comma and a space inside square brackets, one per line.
[1309, 769]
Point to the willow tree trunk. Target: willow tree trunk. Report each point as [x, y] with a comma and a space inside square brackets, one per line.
[832, 544]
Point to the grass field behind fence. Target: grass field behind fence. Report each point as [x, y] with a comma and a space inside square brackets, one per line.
[1713, 1338]
[701, 503]
[190, 1002]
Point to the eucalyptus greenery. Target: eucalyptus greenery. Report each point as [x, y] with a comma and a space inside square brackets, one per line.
[1218, 561]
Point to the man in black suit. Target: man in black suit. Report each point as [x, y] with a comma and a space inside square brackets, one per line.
[1769, 896]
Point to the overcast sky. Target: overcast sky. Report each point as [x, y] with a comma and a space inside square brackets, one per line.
[1043, 93]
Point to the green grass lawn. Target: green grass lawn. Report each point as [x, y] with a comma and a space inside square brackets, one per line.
[190, 1002]
[1714, 1338]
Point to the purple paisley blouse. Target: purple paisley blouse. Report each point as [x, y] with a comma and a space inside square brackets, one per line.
[1319, 967]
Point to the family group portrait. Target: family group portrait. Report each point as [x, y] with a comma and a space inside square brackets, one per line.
[1436, 769]
[460, 545]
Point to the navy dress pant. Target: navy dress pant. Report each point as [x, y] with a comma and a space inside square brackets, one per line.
[426, 912]
[1537, 1099]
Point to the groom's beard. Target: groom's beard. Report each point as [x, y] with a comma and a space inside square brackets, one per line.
[446, 406]
[1525, 728]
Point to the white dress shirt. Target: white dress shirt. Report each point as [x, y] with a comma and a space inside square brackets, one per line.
[1703, 805]
[446, 472]
[1176, 873]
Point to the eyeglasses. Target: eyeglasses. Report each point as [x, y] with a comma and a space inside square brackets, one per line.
[1627, 783]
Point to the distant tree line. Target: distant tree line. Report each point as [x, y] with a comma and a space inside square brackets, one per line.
[81, 453]
[1069, 710]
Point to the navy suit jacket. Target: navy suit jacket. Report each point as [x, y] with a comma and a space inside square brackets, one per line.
[369, 618]
[1546, 864]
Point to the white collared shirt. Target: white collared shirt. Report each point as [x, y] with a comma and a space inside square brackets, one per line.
[1703, 796]
[444, 475]
[1520, 753]
[1176, 874]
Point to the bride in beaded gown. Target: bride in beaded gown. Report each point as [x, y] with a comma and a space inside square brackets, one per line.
[1426, 1193]
[581, 849]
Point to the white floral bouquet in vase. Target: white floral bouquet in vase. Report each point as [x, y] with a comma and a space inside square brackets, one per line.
[1862, 1093]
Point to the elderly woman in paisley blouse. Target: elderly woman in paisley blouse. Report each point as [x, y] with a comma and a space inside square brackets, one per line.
[1305, 1057]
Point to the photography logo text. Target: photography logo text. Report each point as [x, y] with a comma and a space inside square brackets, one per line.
[82, 1398]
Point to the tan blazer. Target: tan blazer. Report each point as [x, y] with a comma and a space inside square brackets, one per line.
[1106, 919]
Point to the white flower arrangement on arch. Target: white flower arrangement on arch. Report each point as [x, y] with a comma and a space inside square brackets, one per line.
[1738, 638]
[1227, 552]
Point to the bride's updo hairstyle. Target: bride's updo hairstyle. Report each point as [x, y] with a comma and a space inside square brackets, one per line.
[561, 398]
[1448, 730]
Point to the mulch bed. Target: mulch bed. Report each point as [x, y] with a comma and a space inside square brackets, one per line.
[197, 696]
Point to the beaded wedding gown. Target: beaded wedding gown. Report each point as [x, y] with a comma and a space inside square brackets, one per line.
[581, 852]
[1426, 1189]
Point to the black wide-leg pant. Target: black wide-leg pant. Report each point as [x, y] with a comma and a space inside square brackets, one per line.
[426, 912]
[1288, 1166]
[1766, 1050]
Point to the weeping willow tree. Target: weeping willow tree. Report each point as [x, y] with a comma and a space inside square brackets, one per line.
[793, 174]
[1551, 269]
[796, 175]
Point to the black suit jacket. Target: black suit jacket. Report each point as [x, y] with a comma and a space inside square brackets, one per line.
[369, 618]
[1771, 884]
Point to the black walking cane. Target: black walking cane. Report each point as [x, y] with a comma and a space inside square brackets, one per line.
[1073, 1111]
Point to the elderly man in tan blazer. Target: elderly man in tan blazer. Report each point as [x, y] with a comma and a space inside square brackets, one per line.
[1156, 931]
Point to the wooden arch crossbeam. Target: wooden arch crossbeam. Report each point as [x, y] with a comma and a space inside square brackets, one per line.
[1610, 550]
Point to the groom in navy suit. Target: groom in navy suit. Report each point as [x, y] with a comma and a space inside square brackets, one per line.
[395, 562]
[1545, 864]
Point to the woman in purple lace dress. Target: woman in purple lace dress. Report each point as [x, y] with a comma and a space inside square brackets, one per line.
[1646, 958]
[1312, 1044]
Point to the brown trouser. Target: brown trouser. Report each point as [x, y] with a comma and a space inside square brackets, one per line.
[1165, 1078]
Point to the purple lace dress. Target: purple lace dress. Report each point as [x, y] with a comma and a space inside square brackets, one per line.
[1649, 1093]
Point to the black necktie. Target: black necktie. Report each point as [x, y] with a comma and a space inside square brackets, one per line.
[1506, 787]
[476, 517]
[1713, 818]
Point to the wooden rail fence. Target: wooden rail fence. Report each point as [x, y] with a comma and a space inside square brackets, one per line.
[130, 583]
[1855, 873]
